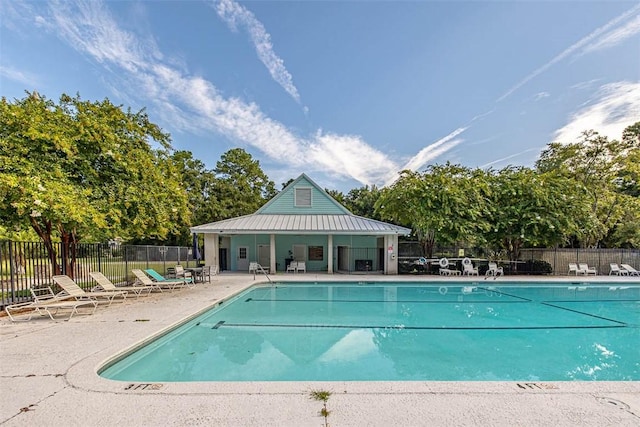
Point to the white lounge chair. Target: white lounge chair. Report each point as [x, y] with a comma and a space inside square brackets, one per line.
[71, 288]
[107, 285]
[170, 284]
[630, 270]
[445, 270]
[614, 269]
[573, 268]
[494, 270]
[586, 270]
[46, 302]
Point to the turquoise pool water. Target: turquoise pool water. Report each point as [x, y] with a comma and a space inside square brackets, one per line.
[402, 332]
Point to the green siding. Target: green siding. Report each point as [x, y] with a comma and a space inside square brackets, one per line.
[321, 202]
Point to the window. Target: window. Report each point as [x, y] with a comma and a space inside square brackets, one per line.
[316, 253]
[303, 198]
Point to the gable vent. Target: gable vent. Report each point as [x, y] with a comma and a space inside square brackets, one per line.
[303, 198]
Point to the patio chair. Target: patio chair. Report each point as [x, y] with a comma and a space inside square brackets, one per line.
[46, 302]
[573, 268]
[293, 267]
[301, 266]
[255, 267]
[614, 269]
[105, 284]
[468, 269]
[586, 270]
[71, 288]
[172, 284]
[630, 270]
[181, 273]
[494, 270]
[208, 271]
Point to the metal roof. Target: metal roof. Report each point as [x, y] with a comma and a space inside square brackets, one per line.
[300, 224]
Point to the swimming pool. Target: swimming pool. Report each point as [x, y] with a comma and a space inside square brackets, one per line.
[402, 332]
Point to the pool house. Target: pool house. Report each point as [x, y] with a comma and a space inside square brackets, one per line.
[302, 224]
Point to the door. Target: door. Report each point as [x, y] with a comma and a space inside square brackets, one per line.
[242, 261]
[264, 256]
[343, 258]
[222, 259]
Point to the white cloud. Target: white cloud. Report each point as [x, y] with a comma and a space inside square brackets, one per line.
[195, 104]
[615, 37]
[504, 159]
[616, 106]
[541, 95]
[601, 37]
[18, 76]
[434, 150]
[234, 15]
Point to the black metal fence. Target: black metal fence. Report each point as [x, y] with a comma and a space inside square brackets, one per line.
[547, 261]
[25, 265]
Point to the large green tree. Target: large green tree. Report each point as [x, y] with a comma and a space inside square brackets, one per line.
[532, 209]
[446, 203]
[606, 171]
[241, 185]
[79, 170]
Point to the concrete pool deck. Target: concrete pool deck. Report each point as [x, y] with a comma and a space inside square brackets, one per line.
[48, 377]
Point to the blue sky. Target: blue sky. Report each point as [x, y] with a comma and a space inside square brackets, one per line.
[348, 92]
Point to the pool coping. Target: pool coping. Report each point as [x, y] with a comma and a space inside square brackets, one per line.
[81, 364]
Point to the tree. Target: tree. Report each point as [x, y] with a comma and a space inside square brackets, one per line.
[241, 186]
[362, 201]
[446, 202]
[80, 170]
[531, 209]
[199, 184]
[606, 172]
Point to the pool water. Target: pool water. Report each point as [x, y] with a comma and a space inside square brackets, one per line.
[402, 332]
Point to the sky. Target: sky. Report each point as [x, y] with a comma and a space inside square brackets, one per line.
[348, 92]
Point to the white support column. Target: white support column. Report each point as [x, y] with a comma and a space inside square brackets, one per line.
[330, 254]
[391, 249]
[211, 249]
[272, 253]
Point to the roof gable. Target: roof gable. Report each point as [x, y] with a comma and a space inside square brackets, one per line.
[302, 197]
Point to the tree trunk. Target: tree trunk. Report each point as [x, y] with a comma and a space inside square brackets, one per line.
[45, 235]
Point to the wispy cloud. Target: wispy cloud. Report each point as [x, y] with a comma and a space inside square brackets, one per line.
[600, 37]
[18, 76]
[615, 106]
[192, 103]
[434, 150]
[615, 37]
[504, 159]
[236, 15]
[541, 95]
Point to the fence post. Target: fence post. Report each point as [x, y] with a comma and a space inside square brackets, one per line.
[11, 274]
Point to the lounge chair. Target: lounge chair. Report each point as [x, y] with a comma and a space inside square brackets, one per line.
[494, 270]
[106, 285]
[630, 270]
[163, 282]
[614, 269]
[573, 268]
[46, 302]
[445, 270]
[586, 270]
[71, 288]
